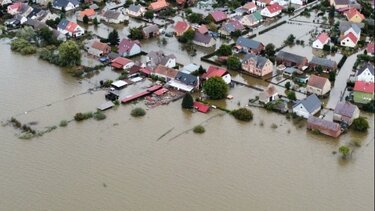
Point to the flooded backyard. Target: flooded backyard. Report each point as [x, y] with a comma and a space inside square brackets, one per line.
[157, 162]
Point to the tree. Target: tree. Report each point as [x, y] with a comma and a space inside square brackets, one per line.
[49, 5]
[290, 40]
[95, 21]
[287, 85]
[195, 17]
[215, 88]
[187, 36]
[47, 35]
[224, 50]
[128, 3]
[360, 124]
[149, 14]
[113, 37]
[291, 95]
[187, 101]
[243, 114]
[212, 27]
[69, 54]
[326, 48]
[85, 19]
[332, 76]
[270, 49]
[344, 150]
[138, 112]
[136, 33]
[236, 33]
[319, 69]
[369, 107]
[27, 33]
[233, 63]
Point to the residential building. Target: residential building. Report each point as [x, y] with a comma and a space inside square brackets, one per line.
[70, 28]
[272, 10]
[214, 71]
[363, 92]
[340, 4]
[97, 48]
[252, 19]
[204, 40]
[190, 68]
[290, 59]
[135, 10]
[90, 13]
[370, 48]
[350, 35]
[154, 58]
[262, 3]
[256, 65]
[289, 72]
[366, 73]
[164, 72]
[129, 47]
[184, 82]
[326, 127]
[151, 31]
[269, 94]
[321, 40]
[307, 107]
[326, 64]
[231, 26]
[247, 45]
[318, 85]
[250, 7]
[202, 29]
[353, 15]
[5, 2]
[218, 16]
[181, 27]
[122, 63]
[299, 2]
[158, 5]
[66, 4]
[345, 112]
[112, 16]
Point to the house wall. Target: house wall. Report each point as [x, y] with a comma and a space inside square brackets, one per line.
[366, 76]
[348, 43]
[136, 49]
[301, 111]
[328, 132]
[171, 63]
[349, 120]
[250, 67]
[362, 97]
[317, 44]
[129, 65]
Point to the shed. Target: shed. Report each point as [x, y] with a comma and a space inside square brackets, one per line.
[326, 127]
[106, 105]
[119, 84]
[201, 107]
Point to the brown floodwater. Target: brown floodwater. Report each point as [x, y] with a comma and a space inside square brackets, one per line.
[124, 163]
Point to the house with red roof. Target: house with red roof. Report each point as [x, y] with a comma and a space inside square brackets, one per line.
[164, 72]
[349, 40]
[70, 28]
[363, 92]
[353, 15]
[97, 48]
[250, 7]
[122, 63]
[318, 85]
[158, 5]
[202, 29]
[90, 13]
[214, 71]
[262, 3]
[326, 127]
[204, 108]
[321, 40]
[218, 16]
[370, 48]
[14, 8]
[271, 11]
[129, 47]
[181, 27]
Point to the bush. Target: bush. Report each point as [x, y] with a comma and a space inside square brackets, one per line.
[224, 50]
[22, 46]
[99, 115]
[215, 88]
[344, 150]
[187, 101]
[291, 95]
[243, 114]
[63, 123]
[199, 129]
[360, 124]
[82, 116]
[138, 112]
[369, 107]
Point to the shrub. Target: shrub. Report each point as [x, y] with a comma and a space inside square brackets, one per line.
[63, 123]
[360, 124]
[291, 95]
[83, 116]
[187, 101]
[243, 114]
[215, 88]
[369, 107]
[99, 115]
[274, 126]
[22, 46]
[344, 150]
[199, 129]
[138, 112]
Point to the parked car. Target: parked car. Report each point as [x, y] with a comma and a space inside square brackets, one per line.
[104, 59]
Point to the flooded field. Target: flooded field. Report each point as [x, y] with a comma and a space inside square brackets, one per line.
[157, 162]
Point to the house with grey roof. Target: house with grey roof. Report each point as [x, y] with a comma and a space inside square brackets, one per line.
[151, 31]
[307, 107]
[66, 4]
[256, 65]
[231, 26]
[184, 82]
[204, 40]
[290, 59]
[324, 126]
[247, 45]
[135, 10]
[154, 58]
[327, 64]
[365, 73]
[112, 16]
[345, 112]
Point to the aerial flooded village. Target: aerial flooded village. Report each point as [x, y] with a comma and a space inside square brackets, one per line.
[309, 60]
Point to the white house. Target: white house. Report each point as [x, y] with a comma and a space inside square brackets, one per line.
[308, 106]
[129, 47]
[66, 4]
[366, 73]
[70, 28]
[318, 85]
[214, 71]
[298, 2]
[322, 39]
[135, 10]
[262, 3]
[351, 36]
[280, 2]
[154, 58]
[271, 10]
[5, 2]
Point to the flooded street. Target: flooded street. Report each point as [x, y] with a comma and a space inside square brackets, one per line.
[124, 163]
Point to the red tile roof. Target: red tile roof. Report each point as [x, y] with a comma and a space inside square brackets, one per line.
[87, 12]
[218, 16]
[274, 8]
[214, 71]
[181, 27]
[317, 81]
[100, 46]
[201, 107]
[361, 86]
[249, 5]
[203, 29]
[121, 61]
[158, 5]
[351, 36]
[370, 48]
[323, 37]
[71, 27]
[161, 91]
[352, 12]
[267, 2]
[166, 71]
